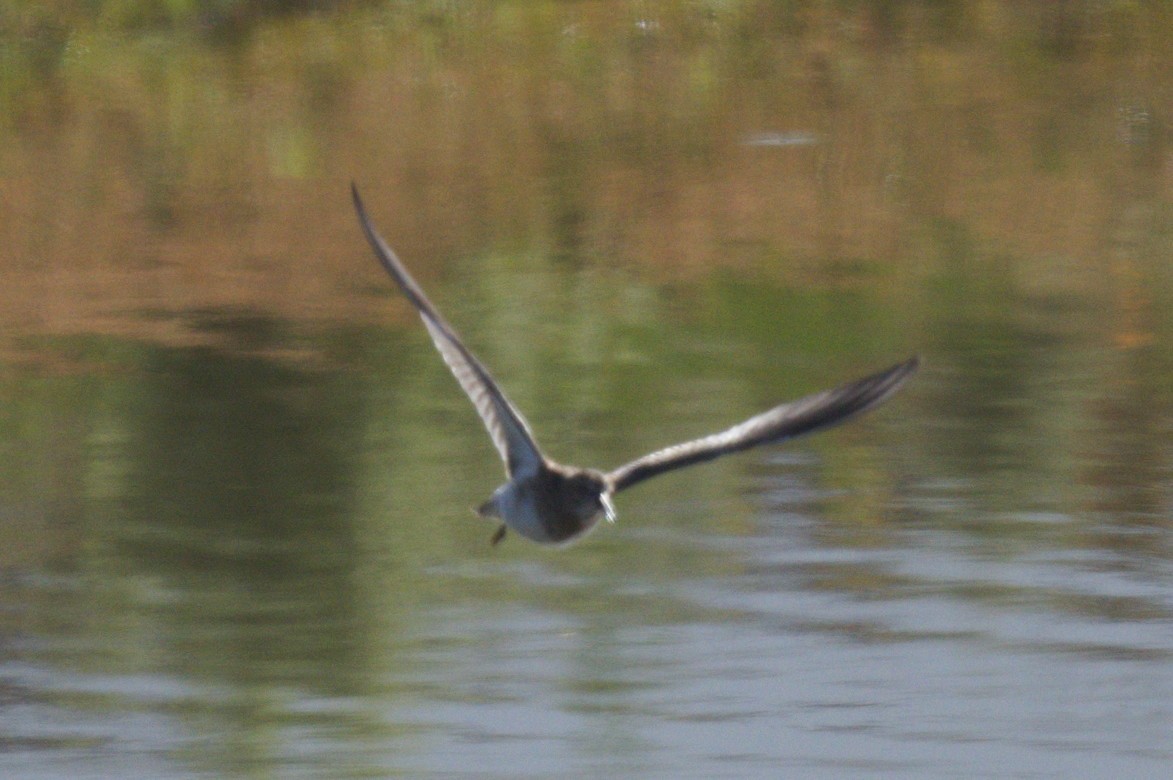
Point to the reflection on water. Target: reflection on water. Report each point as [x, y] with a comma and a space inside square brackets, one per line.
[235, 478]
[242, 559]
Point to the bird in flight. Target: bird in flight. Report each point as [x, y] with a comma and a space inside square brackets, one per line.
[555, 504]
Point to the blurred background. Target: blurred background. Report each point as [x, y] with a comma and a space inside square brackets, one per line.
[235, 478]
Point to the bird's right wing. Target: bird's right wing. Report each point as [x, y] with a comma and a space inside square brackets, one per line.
[805, 415]
[507, 428]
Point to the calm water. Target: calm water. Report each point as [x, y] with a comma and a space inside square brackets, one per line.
[235, 478]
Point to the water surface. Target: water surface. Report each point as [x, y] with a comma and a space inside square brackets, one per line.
[236, 479]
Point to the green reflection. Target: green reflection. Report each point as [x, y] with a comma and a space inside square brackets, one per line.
[239, 492]
[201, 522]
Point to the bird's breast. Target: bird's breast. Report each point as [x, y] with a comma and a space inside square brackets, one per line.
[539, 509]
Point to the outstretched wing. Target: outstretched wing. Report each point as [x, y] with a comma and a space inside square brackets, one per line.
[805, 415]
[507, 428]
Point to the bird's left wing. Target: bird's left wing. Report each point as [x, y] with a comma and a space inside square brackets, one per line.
[805, 415]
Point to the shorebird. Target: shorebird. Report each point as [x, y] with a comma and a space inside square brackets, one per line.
[555, 504]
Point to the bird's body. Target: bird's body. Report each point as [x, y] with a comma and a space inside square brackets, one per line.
[555, 504]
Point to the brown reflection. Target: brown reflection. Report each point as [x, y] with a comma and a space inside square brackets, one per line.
[187, 175]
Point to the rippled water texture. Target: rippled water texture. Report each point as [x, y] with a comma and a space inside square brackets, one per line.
[236, 479]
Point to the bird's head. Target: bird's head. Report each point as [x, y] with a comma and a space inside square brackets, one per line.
[590, 494]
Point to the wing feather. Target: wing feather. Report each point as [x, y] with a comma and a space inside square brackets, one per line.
[787, 421]
[507, 428]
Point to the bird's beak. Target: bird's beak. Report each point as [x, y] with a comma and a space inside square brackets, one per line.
[608, 508]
